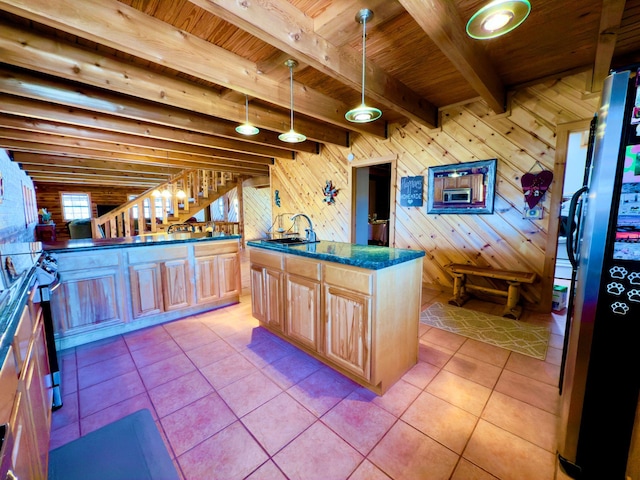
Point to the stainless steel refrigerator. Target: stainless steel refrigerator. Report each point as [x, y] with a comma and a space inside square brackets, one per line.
[601, 373]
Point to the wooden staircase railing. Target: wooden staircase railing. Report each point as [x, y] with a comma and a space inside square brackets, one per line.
[183, 195]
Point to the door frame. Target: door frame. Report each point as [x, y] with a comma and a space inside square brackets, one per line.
[563, 131]
[367, 162]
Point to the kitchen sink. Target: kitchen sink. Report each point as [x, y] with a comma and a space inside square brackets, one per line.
[287, 240]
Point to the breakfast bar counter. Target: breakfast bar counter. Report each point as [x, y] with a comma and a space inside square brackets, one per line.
[354, 307]
[113, 286]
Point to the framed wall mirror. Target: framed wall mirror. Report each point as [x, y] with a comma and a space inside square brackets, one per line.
[462, 188]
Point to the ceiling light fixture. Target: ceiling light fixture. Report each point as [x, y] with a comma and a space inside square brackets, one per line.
[497, 18]
[363, 113]
[246, 128]
[291, 136]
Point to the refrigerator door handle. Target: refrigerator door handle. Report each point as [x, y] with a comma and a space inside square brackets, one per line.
[572, 225]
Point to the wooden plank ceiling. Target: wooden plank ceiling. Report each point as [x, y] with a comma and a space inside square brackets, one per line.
[94, 89]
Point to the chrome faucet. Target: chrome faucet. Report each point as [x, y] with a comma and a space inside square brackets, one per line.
[310, 234]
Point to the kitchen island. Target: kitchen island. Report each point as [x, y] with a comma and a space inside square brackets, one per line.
[113, 286]
[354, 307]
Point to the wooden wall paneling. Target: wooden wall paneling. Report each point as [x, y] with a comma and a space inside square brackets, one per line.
[48, 196]
[257, 212]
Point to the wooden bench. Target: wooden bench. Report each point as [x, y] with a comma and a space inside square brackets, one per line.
[513, 279]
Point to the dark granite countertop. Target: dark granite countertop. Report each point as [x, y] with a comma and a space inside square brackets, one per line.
[82, 244]
[364, 256]
[15, 285]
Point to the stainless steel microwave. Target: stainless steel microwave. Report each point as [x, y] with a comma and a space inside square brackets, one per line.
[456, 195]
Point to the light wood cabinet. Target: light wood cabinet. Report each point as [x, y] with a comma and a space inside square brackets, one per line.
[26, 396]
[216, 277]
[146, 289]
[361, 322]
[348, 330]
[303, 311]
[267, 305]
[111, 291]
[91, 293]
[176, 288]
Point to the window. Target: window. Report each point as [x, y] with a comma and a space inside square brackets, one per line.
[76, 205]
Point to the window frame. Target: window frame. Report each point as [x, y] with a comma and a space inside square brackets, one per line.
[63, 207]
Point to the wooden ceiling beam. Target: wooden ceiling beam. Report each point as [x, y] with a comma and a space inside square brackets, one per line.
[336, 22]
[88, 180]
[86, 172]
[197, 103]
[610, 19]
[98, 152]
[90, 164]
[280, 24]
[26, 129]
[34, 51]
[118, 26]
[40, 110]
[441, 21]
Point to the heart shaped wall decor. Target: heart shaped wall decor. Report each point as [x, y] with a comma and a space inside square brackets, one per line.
[534, 186]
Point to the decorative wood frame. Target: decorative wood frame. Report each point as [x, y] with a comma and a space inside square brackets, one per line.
[462, 188]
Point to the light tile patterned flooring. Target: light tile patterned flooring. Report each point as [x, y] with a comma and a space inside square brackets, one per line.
[233, 401]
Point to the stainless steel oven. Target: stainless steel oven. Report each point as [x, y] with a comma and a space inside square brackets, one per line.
[456, 195]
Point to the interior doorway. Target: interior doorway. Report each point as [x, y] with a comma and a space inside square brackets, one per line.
[373, 210]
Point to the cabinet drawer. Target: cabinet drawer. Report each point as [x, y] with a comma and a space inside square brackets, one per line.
[215, 248]
[302, 267]
[353, 279]
[154, 254]
[88, 260]
[267, 259]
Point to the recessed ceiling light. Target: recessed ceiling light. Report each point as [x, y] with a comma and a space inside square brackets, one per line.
[497, 18]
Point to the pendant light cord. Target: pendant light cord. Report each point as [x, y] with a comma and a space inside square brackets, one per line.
[246, 108]
[364, 52]
[291, 92]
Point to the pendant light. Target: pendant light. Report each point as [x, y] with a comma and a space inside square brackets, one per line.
[291, 136]
[363, 113]
[246, 128]
[497, 18]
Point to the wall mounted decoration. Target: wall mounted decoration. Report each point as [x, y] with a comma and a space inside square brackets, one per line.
[276, 198]
[411, 190]
[462, 187]
[535, 185]
[330, 193]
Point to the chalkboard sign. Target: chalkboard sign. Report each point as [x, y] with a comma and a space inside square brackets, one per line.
[411, 191]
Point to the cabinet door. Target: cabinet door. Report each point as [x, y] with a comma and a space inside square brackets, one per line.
[348, 330]
[207, 279]
[37, 396]
[258, 293]
[274, 308]
[88, 298]
[464, 181]
[24, 456]
[303, 312]
[438, 186]
[146, 292]
[477, 187]
[176, 290]
[229, 274]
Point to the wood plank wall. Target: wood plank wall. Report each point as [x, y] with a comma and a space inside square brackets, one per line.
[504, 239]
[257, 212]
[49, 196]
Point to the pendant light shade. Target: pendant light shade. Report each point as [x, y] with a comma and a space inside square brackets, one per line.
[246, 128]
[291, 136]
[497, 18]
[363, 113]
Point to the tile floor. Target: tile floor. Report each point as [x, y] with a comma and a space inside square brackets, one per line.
[233, 401]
